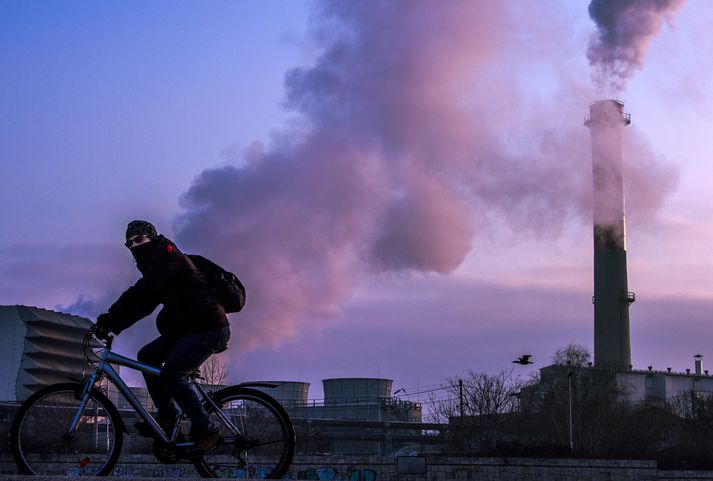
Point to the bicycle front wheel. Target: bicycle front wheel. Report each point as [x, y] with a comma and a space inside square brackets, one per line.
[263, 443]
[41, 444]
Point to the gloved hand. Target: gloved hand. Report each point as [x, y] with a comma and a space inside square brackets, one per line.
[104, 322]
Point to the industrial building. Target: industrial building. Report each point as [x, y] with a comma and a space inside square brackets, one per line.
[357, 416]
[357, 399]
[38, 347]
[612, 298]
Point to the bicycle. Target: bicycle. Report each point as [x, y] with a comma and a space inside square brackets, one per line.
[73, 427]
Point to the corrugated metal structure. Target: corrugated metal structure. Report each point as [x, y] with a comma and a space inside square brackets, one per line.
[38, 347]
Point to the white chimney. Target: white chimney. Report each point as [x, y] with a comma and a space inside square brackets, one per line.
[699, 364]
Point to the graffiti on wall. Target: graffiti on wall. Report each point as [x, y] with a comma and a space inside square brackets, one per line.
[322, 473]
[330, 473]
[252, 471]
[177, 471]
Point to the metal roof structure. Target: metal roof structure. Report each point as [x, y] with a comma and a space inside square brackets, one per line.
[38, 347]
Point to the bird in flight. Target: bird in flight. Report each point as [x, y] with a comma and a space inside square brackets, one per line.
[524, 360]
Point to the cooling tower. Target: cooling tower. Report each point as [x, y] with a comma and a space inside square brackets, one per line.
[289, 393]
[611, 299]
[355, 390]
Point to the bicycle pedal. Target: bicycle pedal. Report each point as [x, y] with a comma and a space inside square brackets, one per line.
[166, 453]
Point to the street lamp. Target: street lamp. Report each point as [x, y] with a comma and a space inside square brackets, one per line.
[570, 373]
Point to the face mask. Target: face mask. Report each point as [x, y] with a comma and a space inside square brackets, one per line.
[142, 255]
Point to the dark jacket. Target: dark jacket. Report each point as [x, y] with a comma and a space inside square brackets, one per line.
[171, 279]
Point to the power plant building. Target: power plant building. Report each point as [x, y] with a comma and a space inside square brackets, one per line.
[38, 347]
[612, 298]
[357, 415]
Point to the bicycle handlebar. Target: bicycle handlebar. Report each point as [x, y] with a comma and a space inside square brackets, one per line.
[100, 334]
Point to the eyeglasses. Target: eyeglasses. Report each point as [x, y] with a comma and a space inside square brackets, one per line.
[137, 240]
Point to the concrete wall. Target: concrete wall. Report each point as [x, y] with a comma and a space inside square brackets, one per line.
[357, 468]
[634, 384]
[662, 386]
[477, 469]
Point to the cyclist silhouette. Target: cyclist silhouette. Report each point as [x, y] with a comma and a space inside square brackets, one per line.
[192, 326]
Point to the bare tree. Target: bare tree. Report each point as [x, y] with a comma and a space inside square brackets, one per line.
[682, 405]
[592, 396]
[214, 372]
[574, 355]
[694, 413]
[484, 395]
[474, 405]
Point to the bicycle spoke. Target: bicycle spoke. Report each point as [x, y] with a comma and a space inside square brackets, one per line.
[41, 442]
[265, 444]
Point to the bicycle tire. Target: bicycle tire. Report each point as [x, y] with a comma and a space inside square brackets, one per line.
[37, 435]
[257, 415]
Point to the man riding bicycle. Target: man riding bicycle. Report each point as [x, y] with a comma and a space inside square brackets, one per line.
[192, 325]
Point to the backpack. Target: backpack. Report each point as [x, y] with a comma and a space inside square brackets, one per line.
[228, 288]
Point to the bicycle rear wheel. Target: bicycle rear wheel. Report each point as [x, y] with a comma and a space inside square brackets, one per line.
[265, 442]
[40, 443]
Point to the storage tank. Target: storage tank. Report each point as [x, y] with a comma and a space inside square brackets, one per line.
[288, 393]
[355, 389]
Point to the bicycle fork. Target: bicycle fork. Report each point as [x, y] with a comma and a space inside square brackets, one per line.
[83, 400]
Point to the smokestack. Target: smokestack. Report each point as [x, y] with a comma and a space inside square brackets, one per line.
[612, 345]
[699, 364]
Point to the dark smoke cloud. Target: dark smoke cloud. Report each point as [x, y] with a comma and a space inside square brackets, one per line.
[413, 136]
[625, 28]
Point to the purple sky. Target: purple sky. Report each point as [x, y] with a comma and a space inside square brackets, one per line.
[404, 189]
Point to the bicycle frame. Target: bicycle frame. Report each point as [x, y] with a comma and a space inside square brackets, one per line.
[254, 429]
[104, 367]
[107, 358]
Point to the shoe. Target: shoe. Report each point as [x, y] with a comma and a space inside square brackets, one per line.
[203, 443]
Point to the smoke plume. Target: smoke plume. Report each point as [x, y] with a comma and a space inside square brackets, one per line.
[625, 29]
[412, 137]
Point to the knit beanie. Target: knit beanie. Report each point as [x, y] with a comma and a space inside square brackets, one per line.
[140, 227]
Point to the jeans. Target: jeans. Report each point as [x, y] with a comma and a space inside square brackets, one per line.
[179, 358]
